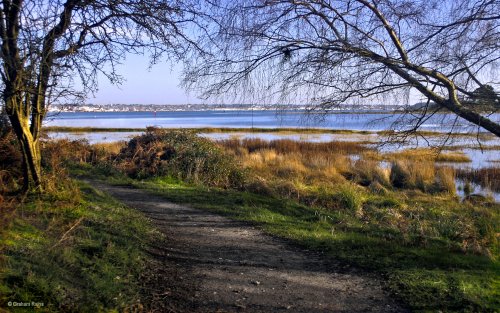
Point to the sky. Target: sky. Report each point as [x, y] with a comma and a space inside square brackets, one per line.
[157, 85]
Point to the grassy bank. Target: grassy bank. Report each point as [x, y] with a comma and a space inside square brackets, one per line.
[405, 222]
[74, 250]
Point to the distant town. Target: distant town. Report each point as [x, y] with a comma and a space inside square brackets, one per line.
[206, 107]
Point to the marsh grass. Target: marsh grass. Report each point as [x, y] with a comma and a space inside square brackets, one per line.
[287, 146]
[425, 176]
[422, 155]
[445, 180]
[488, 177]
[367, 172]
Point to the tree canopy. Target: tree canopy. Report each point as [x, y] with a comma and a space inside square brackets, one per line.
[330, 52]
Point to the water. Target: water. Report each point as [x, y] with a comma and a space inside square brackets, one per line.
[258, 119]
[94, 137]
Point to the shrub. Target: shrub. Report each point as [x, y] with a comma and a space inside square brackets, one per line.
[181, 154]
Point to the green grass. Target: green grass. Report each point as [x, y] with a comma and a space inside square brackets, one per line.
[429, 277]
[73, 253]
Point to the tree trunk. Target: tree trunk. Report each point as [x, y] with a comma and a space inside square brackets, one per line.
[30, 149]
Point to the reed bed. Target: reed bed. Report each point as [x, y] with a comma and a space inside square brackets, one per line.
[488, 177]
[422, 154]
[400, 197]
[285, 146]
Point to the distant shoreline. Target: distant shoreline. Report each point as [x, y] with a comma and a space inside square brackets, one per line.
[287, 111]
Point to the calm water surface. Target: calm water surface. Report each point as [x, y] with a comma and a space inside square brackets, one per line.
[248, 119]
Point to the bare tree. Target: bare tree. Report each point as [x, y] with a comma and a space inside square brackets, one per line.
[331, 52]
[47, 46]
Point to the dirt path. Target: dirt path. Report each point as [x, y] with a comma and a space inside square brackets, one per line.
[209, 263]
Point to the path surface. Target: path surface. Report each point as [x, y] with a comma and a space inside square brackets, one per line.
[209, 263]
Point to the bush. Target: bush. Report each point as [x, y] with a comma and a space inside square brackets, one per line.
[180, 154]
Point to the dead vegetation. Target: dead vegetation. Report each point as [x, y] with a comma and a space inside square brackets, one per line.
[291, 146]
[10, 162]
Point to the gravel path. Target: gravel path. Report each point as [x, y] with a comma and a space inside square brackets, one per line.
[209, 263]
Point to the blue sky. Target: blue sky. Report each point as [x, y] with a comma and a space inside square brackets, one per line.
[158, 85]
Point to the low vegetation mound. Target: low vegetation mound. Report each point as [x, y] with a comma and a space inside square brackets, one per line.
[180, 154]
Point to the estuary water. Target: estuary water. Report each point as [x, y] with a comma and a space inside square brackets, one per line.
[257, 119]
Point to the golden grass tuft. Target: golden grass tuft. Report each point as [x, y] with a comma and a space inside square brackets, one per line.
[445, 180]
[424, 154]
[409, 175]
[367, 171]
[455, 157]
